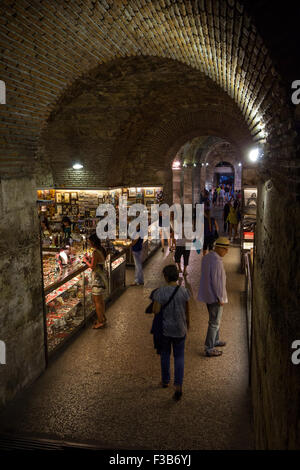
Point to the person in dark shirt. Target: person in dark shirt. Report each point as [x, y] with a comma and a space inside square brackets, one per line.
[137, 252]
[211, 230]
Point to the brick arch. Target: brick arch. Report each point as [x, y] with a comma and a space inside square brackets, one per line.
[48, 45]
[167, 140]
[130, 117]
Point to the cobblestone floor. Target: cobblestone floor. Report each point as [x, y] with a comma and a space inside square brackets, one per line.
[103, 388]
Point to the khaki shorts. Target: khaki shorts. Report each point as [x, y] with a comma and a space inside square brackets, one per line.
[98, 290]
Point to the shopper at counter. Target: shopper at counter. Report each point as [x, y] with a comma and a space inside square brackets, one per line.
[99, 279]
[67, 227]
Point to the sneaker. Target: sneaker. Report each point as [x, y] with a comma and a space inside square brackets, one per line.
[213, 353]
[177, 395]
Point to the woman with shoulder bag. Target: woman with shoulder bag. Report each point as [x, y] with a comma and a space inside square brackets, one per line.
[171, 309]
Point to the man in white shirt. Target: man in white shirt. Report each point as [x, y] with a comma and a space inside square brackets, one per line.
[212, 291]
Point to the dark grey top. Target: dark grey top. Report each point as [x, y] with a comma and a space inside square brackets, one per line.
[174, 319]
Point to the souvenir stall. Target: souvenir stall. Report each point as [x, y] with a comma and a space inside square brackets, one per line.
[146, 196]
[67, 290]
[248, 223]
[67, 218]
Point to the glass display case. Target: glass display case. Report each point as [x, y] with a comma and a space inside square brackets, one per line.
[65, 306]
[68, 293]
[248, 222]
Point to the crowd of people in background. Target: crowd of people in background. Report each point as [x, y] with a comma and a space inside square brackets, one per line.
[230, 200]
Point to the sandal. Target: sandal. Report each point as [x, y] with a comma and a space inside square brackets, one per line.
[213, 353]
[101, 325]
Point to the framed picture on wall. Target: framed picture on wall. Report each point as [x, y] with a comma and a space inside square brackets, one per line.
[67, 198]
[132, 192]
[74, 196]
[149, 192]
[58, 198]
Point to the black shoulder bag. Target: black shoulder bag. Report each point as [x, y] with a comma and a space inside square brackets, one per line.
[157, 325]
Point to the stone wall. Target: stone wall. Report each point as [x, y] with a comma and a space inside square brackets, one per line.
[275, 380]
[21, 308]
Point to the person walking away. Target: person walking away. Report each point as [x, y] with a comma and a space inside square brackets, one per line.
[225, 215]
[172, 243]
[212, 291]
[99, 279]
[221, 196]
[215, 197]
[175, 323]
[183, 249]
[137, 253]
[163, 230]
[211, 230]
[233, 221]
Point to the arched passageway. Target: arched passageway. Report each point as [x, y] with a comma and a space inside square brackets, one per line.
[122, 86]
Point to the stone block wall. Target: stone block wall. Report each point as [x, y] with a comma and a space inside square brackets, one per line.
[21, 308]
[275, 379]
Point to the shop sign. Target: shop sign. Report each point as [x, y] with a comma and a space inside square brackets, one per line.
[2, 353]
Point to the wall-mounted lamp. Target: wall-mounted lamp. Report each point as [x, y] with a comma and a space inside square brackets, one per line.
[176, 165]
[254, 154]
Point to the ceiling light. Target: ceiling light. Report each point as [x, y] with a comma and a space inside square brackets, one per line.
[77, 166]
[240, 164]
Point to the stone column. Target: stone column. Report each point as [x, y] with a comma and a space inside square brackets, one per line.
[237, 177]
[176, 177]
[188, 185]
[21, 306]
[196, 185]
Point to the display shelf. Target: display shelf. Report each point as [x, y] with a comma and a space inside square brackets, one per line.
[65, 276]
[60, 291]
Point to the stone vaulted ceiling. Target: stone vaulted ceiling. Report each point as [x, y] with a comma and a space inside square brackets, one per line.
[47, 45]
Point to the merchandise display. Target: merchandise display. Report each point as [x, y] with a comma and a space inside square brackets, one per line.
[68, 290]
[248, 222]
[67, 280]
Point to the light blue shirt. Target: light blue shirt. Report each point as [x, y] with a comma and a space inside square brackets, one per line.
[213, 280]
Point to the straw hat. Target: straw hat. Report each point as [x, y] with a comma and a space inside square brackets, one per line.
[223, 242]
